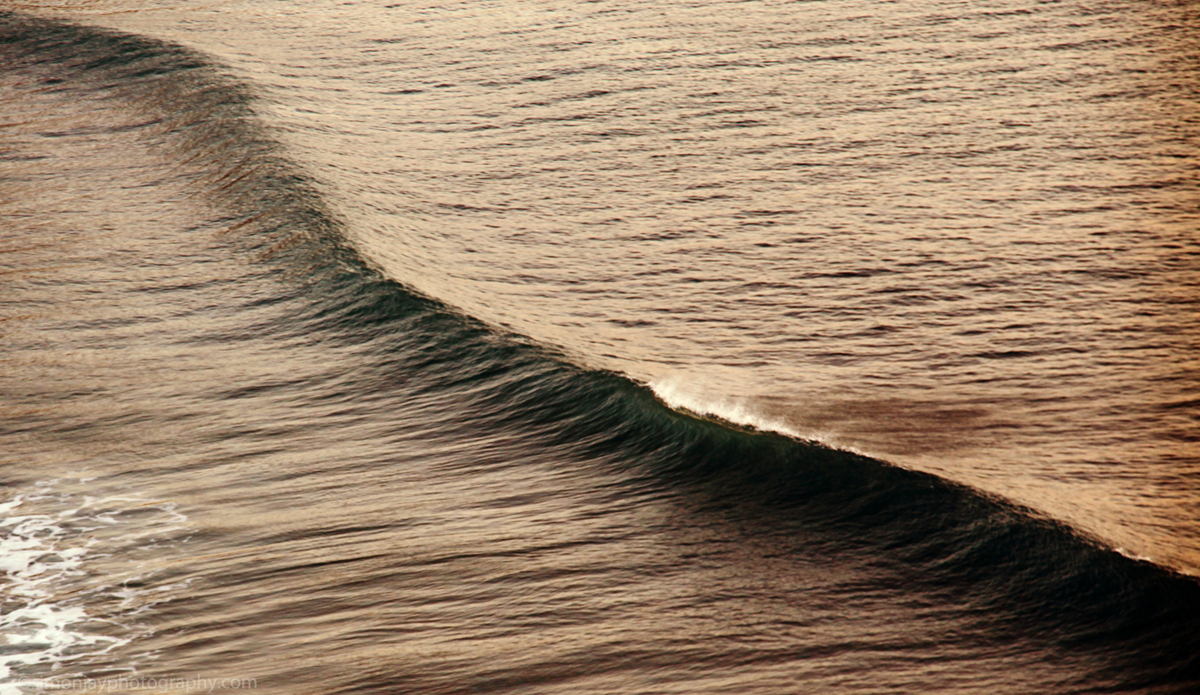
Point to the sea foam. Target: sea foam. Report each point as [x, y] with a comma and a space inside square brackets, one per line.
[50, 543]
[737, 412]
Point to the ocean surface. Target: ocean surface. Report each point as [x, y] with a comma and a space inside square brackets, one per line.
[622, 346]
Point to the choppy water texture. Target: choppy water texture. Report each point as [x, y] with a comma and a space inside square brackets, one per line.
[609, 347]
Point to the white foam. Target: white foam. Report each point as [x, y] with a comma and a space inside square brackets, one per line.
[1134, 556]
[47, 586]
[736, 411]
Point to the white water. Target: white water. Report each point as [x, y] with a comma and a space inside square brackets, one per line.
[56, 554]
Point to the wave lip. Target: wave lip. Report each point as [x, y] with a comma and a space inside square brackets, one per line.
[741, 415]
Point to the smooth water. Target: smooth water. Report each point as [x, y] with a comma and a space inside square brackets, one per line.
[602, 347]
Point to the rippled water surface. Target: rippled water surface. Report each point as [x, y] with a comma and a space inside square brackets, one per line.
[606, 347]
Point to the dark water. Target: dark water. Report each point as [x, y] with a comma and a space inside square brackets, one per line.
[759, 347]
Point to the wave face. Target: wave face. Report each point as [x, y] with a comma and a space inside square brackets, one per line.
[464, 350]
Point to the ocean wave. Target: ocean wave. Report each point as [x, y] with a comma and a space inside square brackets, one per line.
[991, 554]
